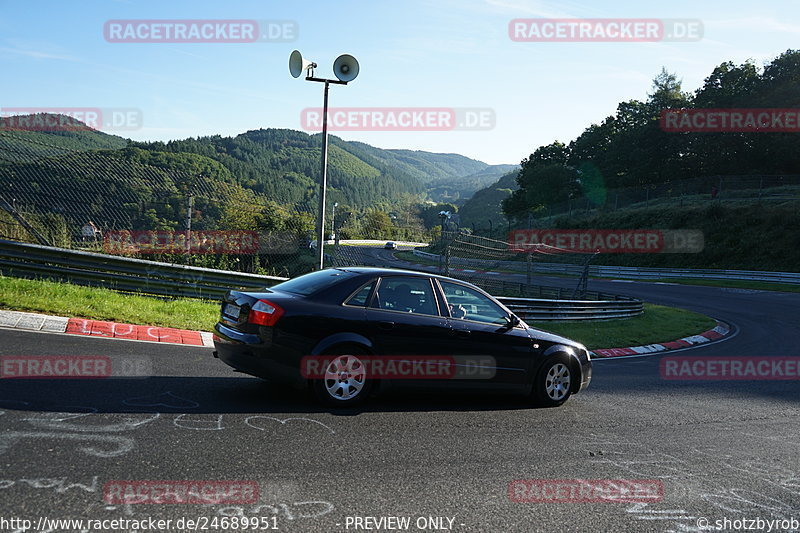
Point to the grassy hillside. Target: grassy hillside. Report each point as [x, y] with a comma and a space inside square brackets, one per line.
[447, 177]
[739, 234]
[425, 166]
[23, 145]
[439, 166]
[745, 233]
[284, 166]
[266, 180]
[281, 165]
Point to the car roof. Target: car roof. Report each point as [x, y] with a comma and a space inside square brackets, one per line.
[382, 271]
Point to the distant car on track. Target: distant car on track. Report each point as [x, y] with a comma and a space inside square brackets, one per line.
[350, 320]
[390, 245]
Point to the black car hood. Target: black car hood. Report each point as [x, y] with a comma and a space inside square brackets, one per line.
[546, 336]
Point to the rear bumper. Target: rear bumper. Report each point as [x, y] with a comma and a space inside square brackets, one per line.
[249, 354]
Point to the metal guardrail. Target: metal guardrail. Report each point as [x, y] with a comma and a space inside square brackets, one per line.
[604, 271]
[25, 260]
[545, 309]
[524, 290]
[554, 303]
[35, 261]
[691, 273]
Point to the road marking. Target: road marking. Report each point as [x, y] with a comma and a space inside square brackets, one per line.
[165, 399]
[284, 421]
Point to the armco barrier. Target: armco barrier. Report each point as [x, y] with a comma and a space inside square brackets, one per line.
[603, 271]
[541, 309]
[165, 279]
[25, 260]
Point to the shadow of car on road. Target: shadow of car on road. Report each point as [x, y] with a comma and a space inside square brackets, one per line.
[247, 395]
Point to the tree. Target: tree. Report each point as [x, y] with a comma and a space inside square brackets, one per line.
[666, 93]
[555, 153]
[728, 85]
[540, 186]
[780, 81]
[377, 225]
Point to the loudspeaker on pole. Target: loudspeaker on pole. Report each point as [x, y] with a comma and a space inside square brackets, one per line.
[345, 67]
[297, 64]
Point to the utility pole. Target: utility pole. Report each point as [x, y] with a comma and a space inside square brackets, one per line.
[189, 225]
[346, 69]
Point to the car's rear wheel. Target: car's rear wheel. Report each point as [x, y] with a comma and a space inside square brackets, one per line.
[553, 384]
[344, 381]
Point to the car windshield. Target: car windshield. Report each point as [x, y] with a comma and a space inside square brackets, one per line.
[314, 282]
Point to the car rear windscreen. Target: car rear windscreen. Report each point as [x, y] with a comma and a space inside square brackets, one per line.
[313, 282]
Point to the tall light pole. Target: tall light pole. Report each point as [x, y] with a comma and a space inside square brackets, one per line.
[189, 210]
[346, 69]
[445, 216]
[333, 223]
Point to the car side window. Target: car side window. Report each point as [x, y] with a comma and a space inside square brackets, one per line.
[406, 294]
[359, 299]
[468, 304]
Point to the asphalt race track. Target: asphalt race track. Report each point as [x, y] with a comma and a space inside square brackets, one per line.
[722, 449]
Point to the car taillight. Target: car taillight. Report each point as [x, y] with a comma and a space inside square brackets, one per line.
[265, 313]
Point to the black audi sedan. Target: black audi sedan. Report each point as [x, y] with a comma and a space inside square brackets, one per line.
[348, 332]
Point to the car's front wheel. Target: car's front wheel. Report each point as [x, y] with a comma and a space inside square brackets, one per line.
[344, 381]
[553, 384]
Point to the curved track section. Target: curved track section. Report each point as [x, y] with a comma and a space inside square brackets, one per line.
[720, 449]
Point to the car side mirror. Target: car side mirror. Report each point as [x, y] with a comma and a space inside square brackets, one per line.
[512, 321]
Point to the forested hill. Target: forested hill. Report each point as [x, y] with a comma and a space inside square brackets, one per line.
[446, 177]
[484, 205]
[282, 165]
[71, 135]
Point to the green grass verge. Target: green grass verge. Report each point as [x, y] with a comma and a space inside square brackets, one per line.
[657, 324]
[733, 284]
[65, 299]
[407, 255]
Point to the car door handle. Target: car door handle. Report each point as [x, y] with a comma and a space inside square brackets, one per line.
[386, 325]
[462, 333]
